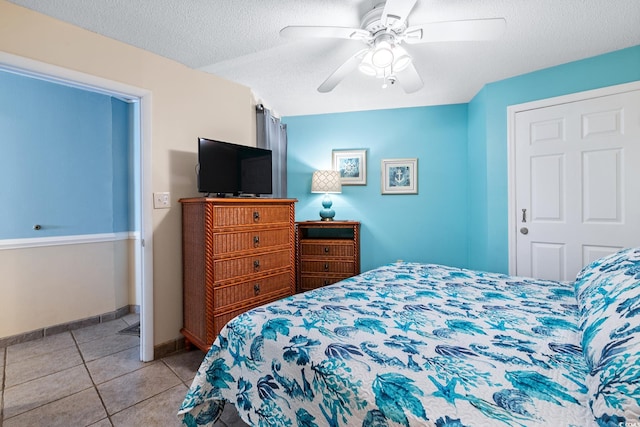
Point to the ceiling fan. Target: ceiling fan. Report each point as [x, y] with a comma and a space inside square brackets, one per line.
[384, 30]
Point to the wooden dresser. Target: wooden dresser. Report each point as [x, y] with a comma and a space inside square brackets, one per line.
[326, 252]
[237, 254]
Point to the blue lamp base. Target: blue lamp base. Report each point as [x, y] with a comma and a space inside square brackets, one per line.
[327, 213]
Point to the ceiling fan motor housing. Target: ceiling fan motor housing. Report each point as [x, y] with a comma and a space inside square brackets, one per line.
[372, 22]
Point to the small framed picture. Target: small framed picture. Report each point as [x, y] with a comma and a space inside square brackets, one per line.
[399, 176]
[352, 165]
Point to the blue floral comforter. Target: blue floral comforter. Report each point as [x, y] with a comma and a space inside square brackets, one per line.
[402, 345]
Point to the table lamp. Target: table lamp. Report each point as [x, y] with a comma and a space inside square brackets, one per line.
[326, 181]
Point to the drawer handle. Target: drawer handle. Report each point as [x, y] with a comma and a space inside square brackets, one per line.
[256, 241]
[256, 288]
[256, 264]
[326, 266]
[326, 249]
[256, 216]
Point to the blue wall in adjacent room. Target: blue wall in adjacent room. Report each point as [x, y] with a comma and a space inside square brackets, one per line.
[65, 160]
[460, 215]
[429, 226]
[122, 147]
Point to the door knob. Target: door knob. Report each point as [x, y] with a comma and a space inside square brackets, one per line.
[524, 230]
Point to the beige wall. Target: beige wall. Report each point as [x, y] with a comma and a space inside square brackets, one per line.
[185, 104]
[50, 285]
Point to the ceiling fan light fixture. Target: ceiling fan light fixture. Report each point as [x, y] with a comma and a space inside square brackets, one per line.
[368, 69]
[401, 63]
[384, 31]
[401, 59]
[366, 66]
[382, 55]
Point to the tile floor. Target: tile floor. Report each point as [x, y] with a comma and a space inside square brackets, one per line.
[93, 377]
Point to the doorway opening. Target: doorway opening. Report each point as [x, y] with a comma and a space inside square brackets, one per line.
[141, 139]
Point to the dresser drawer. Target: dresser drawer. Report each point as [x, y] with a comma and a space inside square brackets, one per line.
[249, 215]
[228, 244]
[222, 317]
[234, 268]
[244, 293]
[326, 266]
[329, 248]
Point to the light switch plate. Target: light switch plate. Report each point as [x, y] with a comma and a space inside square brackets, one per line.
[161, 200]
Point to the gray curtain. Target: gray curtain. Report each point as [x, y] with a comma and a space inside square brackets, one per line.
[272, 134]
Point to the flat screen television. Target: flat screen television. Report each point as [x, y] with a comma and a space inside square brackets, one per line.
[232, 169]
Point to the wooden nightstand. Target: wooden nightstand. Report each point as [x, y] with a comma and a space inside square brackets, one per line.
[326, 252]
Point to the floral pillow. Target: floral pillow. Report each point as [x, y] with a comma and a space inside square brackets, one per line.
[608, 293]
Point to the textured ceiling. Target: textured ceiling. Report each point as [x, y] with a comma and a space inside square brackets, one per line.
[239, 40]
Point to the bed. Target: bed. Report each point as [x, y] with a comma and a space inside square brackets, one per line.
[411, 344]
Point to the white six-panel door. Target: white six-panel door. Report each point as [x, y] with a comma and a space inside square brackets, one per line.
[577, 183]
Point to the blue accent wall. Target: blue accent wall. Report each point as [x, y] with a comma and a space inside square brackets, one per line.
[429, 226]
[65, 160]
[459, 216]
[477, 215]
[488, 246]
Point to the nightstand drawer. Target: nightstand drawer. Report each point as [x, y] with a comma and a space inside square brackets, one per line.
[249, 215]
[243, 293]
[227, 244]
[313, 282]
[328, 248]
[327, 266]
[233, 268]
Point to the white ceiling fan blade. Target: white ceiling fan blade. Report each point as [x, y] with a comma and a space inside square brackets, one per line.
[341, 72]
[468, 30]
[409, 79]
[395, 12]
[300, 31]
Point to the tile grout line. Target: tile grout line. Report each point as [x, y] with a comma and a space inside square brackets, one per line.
[176, 373]
[84, 362]
[98, 391]
[95, 387]
[6, 362]
[150, 397]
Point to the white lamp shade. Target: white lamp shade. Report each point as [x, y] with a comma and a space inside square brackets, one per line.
[326, 181]
[366, 66]
[384, 59]
[382, 55]
[401, 59]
